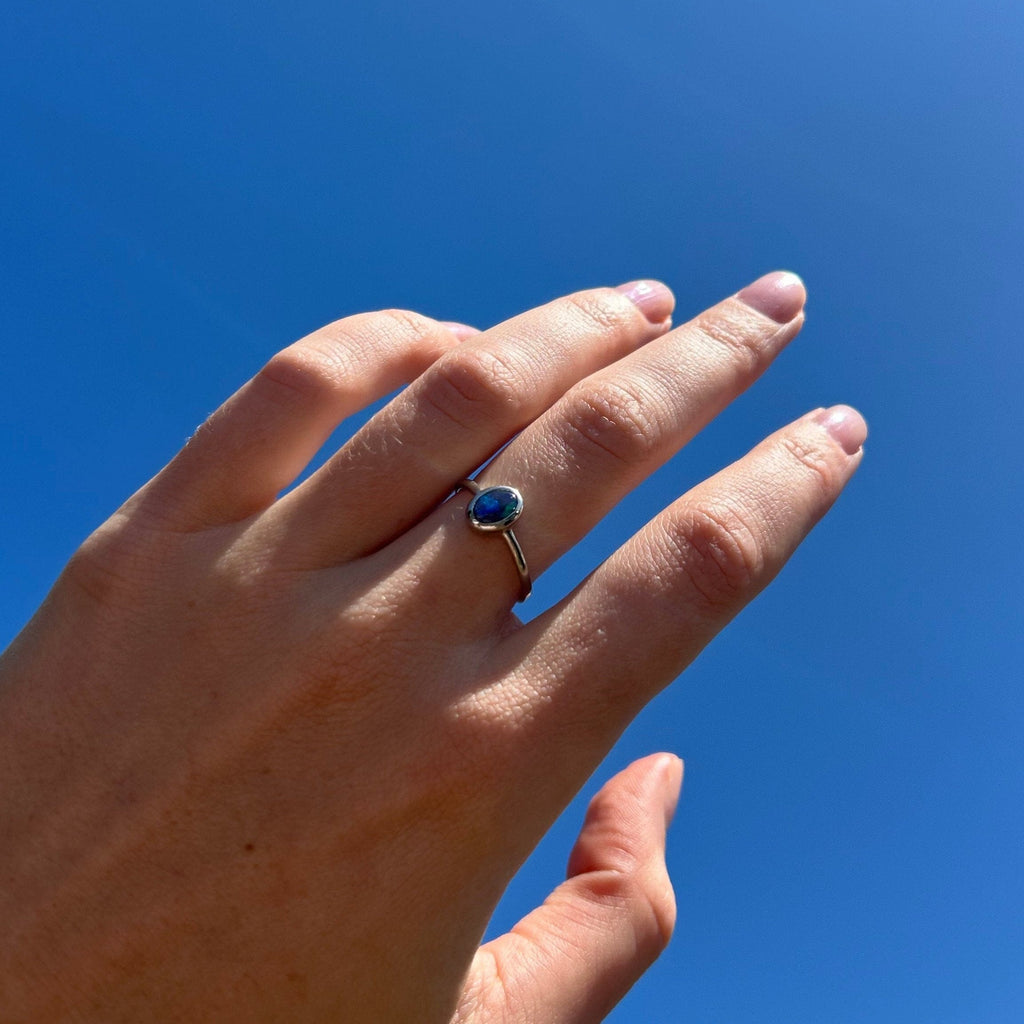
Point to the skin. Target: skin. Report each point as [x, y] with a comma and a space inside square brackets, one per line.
[275, 758]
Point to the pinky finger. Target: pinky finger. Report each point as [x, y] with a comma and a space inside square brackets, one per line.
[261, 438]
[573, 958]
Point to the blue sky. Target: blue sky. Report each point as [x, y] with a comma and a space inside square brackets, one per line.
[187, 188]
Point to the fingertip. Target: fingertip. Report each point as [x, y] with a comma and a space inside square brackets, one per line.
[461, 331]
[844, 425]
[780, 295]
[653, 298]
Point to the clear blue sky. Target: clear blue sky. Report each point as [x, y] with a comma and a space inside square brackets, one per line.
[188, 187]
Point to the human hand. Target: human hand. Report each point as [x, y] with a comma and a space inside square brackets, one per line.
[273, 758]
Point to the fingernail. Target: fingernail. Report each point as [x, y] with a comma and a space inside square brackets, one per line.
[672, 775]
[652, 298]
[461, 331]
[846, 426]
[780, 295]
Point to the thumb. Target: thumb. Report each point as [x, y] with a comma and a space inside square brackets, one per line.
[573, 958]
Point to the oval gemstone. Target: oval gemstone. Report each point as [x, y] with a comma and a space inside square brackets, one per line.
[495, 507]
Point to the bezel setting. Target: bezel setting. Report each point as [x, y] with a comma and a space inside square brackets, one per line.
[495, 509]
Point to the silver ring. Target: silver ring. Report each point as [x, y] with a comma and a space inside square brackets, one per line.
[494, 510]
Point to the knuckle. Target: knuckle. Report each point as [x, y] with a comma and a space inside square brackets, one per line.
[602, 309]
[403, 322]
[655, 915]
[740, 337]
[110, 564]
[473, 386]
[815, 459]
[327, 363]
[721, 555]
[310, 370]
[648, 903]
[615, 419]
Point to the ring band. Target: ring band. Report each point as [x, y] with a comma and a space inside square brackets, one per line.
[494, 510]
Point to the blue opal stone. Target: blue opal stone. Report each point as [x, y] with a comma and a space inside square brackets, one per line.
[495, 508]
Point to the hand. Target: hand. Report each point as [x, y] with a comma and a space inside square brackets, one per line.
[275, 758]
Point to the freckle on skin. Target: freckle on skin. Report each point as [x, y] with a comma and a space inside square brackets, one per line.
[249, 847]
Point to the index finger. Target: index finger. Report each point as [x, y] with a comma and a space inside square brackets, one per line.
[578, 673]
